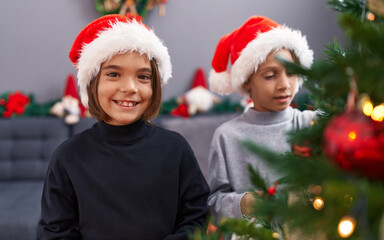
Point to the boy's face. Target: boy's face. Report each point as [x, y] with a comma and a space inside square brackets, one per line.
[125, 90]
[270, 87]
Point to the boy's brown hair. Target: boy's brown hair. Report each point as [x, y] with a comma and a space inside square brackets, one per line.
[154, 105]
[294, 56]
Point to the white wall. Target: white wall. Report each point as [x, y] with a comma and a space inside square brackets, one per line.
[36, 36]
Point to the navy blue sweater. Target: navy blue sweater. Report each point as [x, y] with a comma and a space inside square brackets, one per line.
[123, 182]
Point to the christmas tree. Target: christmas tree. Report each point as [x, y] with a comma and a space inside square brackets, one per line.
[333, 180]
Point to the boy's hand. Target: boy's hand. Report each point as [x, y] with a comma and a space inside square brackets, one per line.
[247, 202]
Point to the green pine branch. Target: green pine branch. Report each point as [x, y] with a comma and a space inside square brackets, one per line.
[355, 7]
[369, 34]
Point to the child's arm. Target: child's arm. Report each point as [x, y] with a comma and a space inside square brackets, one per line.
[59, 218]
[223, 200]
[193, 195]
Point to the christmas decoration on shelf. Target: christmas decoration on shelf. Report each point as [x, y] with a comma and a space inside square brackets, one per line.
[70, 107]
[18, 104]
[332, 183]
[198, 99]
[161, 3]
[134, 8]
[181, 110]
[227, 105]
[13, 104]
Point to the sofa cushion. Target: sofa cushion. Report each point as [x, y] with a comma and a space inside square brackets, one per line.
[26, 145]
[20, 209]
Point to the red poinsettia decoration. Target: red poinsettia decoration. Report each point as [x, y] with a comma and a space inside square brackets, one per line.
[16, 103]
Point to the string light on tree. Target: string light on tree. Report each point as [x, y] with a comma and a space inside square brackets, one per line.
[346, 226]
[318, 203]
[370, 16]
[276, 235]
[367, 107]
[378, 113]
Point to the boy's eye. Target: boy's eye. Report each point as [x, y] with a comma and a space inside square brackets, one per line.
[113, 74]
[268, 77]
[144, 77]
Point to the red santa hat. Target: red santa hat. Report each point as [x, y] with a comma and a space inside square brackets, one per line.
[247, 47]
[114, 34]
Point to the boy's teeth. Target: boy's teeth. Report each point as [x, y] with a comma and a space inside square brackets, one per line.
[127, 104]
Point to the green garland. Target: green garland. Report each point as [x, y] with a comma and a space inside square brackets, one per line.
[140, 6]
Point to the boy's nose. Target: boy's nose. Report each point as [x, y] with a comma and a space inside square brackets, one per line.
[128, 85]
[284, 82]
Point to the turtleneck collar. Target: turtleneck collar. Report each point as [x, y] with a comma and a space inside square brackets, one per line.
[122, 134]
[268, 118]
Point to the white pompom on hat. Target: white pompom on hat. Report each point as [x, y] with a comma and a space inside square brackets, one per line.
[108, 36]
[247, 47]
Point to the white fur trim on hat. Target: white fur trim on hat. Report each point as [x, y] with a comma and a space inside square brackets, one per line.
[258, 49]
[220, 82]
[120, 38]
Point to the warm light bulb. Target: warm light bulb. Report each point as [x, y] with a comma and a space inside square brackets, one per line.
[352, 136]
[370, 16]
[318, 203]
[346, 226]
[275, 235]
[367, 108]
[378, 113]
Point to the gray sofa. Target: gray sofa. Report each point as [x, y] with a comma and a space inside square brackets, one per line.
[26, 145]
[25, 148]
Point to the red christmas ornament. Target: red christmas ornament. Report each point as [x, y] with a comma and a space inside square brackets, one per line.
[356, 143]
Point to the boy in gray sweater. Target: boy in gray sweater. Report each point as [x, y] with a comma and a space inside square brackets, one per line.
[255, 72]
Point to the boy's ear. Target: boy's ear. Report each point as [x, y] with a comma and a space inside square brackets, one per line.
[247, 86]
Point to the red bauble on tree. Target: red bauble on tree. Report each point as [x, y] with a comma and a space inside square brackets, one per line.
[356, 143]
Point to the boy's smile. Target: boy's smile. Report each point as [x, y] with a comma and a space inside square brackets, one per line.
[126, 103]
[125, 87]
[270, 87]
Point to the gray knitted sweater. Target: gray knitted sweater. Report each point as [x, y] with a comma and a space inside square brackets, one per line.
[228, 161]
